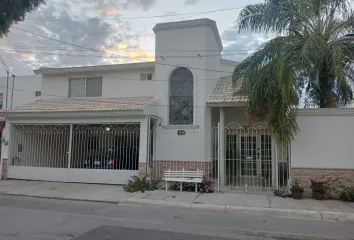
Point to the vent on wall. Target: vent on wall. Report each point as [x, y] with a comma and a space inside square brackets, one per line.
[145, 76]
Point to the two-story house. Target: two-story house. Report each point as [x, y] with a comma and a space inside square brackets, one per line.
[104, 124]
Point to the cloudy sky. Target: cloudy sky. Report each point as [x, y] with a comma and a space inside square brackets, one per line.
[114, 27]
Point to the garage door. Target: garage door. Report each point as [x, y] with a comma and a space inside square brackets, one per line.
[75, 153]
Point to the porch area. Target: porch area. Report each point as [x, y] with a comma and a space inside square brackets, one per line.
[245, 153]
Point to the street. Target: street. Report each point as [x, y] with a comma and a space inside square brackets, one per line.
[36, 218]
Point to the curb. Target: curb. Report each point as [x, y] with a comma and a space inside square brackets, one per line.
[60, 198]
[272, 212]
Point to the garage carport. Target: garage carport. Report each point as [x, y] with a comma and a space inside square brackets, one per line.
[99, 140]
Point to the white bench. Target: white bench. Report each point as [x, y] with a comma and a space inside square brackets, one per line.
[183, 176]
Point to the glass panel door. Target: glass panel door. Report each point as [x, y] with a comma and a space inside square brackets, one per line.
[266, 157]
[249, 155]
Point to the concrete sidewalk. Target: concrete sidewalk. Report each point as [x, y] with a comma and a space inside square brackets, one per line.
[259, 204]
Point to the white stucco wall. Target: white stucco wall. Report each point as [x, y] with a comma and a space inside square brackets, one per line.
[120, 83]
[227, 67]
[23, 90]
[326, 139]
[194, 39]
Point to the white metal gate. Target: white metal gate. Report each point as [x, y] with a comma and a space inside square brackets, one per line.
[74, 153]
[252, 158]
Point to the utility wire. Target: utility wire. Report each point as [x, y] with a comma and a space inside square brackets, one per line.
[17, 48]
[144, 25]
[122, 79]
[7, 69]
[88, 98]
[66, 97]
[96, 50]
[114, 57]
[155, 16]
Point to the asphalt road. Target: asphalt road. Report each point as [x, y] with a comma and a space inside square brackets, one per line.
[23, 218]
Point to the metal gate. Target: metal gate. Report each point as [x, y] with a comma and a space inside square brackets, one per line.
[250, 158]
[74, 152]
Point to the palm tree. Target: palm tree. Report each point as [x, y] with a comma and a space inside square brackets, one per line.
[312, 58]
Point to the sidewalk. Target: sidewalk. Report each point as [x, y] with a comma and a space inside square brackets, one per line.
[259, 204]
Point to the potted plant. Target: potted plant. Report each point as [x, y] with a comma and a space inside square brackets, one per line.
[296, 190]
[319, 189]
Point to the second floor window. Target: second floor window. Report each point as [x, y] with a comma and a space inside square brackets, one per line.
[85, 87]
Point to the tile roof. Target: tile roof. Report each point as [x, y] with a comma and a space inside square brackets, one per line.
[227, 92]
[84, 105]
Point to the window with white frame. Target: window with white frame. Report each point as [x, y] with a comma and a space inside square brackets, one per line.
[85, 87]
[145, 76]
[1, 100]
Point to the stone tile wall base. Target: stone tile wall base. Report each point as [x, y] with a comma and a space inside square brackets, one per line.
[305, 175]
[4, 169]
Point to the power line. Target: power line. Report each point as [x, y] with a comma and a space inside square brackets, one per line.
[154, 16]
[96, 50]
[14, 47]
[101, 56]
[127, 79]
[65, 97]
[7, 69]
[191, 15]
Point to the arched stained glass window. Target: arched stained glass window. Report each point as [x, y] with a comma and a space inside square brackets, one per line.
[181, 97]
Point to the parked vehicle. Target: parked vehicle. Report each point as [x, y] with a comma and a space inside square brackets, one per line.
[120, 159]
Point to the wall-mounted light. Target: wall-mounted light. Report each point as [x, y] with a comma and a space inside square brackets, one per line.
[108, 129]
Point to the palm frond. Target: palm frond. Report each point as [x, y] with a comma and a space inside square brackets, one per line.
[314, 52]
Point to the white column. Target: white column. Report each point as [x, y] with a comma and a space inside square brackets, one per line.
[69, 151]
[70, 145]
[222, 147]
[143, 140]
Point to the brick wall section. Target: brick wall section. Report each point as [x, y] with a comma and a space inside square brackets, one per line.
[160, 166]
[4, 169]
[304, 176]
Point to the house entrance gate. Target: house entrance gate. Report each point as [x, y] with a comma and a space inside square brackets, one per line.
[93, 153]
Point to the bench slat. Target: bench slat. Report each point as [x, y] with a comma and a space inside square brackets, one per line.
[183, 174]
[197, 180]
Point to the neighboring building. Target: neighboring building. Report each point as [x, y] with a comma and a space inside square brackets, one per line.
[104, 124]
[20, 90]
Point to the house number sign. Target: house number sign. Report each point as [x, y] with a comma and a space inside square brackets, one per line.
[181, 132]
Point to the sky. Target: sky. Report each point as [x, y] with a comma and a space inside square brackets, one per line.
[114, 28]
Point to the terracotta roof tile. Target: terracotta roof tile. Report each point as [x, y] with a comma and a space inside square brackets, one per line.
[226, 92]
[84, 105]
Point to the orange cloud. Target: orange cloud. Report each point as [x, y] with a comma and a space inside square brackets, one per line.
[142, 56]
[115, 26]
[110, 11]
[28, 57]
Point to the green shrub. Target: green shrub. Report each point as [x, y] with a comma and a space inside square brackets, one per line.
[347, 194]
[141, 184]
